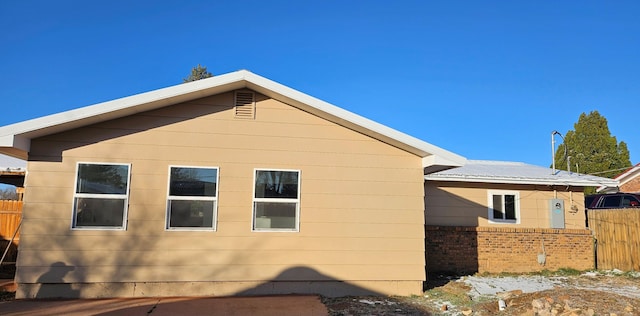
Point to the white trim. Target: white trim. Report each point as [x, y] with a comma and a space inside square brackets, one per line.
[480, 179]
[275, 200]
[17, 137]
[125, 211]
[508, 172]
[490, 218]
[214, 199]
[630, 174]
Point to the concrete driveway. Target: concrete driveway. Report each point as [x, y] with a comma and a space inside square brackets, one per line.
[263, 305]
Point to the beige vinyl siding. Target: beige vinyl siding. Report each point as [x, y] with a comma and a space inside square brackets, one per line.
[361, 205]
[466, 204]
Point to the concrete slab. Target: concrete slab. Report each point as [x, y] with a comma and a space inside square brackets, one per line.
[305, 305]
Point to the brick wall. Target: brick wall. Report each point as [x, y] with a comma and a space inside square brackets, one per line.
[632, 186]
[493, 249]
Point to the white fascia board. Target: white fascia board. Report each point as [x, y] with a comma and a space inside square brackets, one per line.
[622, 179]
[431, 154]
[6, 140]
[559, 181]
[122, 107]
[15, 146]
[442, 160]
[629, 175]
[218, 84]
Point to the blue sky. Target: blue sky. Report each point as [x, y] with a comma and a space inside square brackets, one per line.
[484, 79]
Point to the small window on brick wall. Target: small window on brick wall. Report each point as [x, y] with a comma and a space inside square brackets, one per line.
[245, 105]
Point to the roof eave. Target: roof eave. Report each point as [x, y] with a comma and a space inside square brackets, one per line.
[434, 158]
[548, 182]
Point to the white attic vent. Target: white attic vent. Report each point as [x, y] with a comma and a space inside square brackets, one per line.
[245, 105]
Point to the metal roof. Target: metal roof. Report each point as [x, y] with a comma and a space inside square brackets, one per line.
[8, 163]
[489, 171]
[15, 139]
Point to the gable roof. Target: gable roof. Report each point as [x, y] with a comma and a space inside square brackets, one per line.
[508, 172]
[623, 178]
[15, 139]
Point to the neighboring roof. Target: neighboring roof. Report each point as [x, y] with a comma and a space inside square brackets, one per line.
[508, 172]
[11, 163]
[12, 171]
[15, 139]
[13, 177]
[623, 178]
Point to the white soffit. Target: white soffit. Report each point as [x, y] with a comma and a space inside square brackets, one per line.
[15, 139]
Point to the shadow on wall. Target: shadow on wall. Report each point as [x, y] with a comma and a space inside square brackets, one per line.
[57, 272]
[292, 292]
[295, 280]
[449, 254]
[305, 280]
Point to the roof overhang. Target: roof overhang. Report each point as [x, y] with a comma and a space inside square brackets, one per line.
[560, 181]
[15, 139]
[623, 178]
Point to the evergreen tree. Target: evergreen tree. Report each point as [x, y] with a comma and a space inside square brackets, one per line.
[197, 73]
[592, 149]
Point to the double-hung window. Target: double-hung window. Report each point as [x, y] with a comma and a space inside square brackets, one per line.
[101, 196]
[193, 198]
[504, 206]
[276, 200]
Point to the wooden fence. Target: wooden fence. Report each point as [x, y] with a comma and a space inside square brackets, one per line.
[617, 234]
[10, 214]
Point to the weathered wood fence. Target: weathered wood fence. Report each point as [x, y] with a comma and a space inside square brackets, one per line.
[10, 214]
[617, 234]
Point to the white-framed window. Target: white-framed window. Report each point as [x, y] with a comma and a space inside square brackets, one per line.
[276, 200]
[192, 199]
[101, 196]
[504, 206]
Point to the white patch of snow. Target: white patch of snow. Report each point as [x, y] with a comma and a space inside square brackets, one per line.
[490, 286]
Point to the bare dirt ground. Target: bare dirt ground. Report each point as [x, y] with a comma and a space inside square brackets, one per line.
[591, 293]
[560, 293]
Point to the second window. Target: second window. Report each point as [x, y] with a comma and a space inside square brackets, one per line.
[276, 200]
[193, 198]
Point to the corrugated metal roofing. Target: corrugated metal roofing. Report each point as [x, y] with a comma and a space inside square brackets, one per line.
[489, 171]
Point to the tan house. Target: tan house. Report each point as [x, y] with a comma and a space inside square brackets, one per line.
[231, 185]
[497, 216]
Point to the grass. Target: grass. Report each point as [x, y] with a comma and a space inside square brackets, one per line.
[545, 273]
[559, 272]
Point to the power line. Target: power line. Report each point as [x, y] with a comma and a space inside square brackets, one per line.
[595, 173]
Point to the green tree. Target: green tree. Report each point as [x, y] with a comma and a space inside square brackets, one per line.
[591, 148]
[197, 73]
